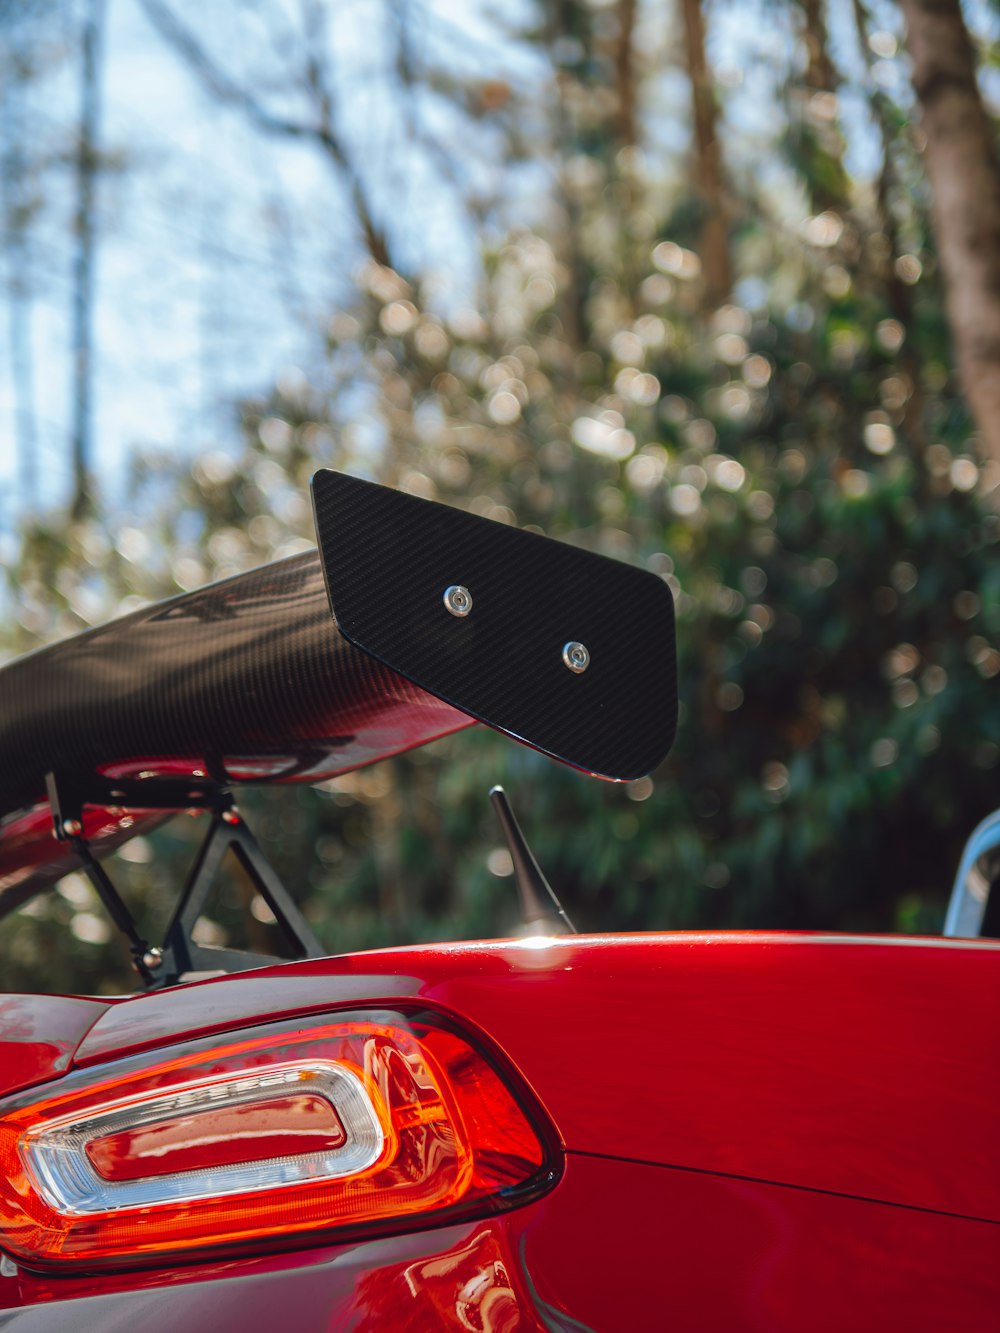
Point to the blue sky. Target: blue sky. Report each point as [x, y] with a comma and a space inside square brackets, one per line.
[222, 253]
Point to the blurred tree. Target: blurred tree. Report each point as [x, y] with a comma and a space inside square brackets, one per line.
[900, 207]
[19, 204]
[626, 81]
[713, 239]
[815, 137]
[87, 170]
[31, 40]
[963, 167]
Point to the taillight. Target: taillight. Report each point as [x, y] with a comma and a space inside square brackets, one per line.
[373, 1122]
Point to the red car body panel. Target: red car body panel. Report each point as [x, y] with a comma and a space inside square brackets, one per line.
[760, 1131]
[838, 1063]
[617, 1246]
[39, 1035]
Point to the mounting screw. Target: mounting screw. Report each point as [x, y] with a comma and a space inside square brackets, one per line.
[230, 817]
[458, 600]
[71, 827]
[576, 657]
[152, 959]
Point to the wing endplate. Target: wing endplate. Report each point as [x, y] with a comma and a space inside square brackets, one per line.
[390, 558]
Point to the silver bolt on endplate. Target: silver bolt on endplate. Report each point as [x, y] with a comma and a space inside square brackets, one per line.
[576, 657]
[458, 600]
[71, 827]
[153, 958]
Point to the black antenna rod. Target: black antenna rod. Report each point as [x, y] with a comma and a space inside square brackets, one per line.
[540, 908]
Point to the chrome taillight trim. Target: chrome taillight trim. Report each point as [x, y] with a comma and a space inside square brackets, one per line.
[55, 1153]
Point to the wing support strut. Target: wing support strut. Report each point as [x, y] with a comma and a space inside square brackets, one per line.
[180, 955]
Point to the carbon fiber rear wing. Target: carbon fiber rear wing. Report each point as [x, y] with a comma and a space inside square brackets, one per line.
[411, 621]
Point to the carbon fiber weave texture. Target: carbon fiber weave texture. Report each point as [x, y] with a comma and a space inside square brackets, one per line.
[388, 558]
[248, 675]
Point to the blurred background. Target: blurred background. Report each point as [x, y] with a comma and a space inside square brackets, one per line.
[669, 279]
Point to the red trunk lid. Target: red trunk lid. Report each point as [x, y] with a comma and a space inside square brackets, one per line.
[866, 1067]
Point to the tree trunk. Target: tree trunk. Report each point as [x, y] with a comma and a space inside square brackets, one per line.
[17, 223]
[821, 76]
[898, 293]
[625, 74]
[713, 243]
[83, 267]
[964, 174]
[828, 184]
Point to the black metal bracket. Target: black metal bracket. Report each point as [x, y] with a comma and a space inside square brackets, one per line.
[180, 954]
[67, 826]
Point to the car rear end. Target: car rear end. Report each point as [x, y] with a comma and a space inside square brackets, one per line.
[690, 1131]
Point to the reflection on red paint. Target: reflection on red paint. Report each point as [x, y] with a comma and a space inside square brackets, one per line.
[220, 1137]
[472, 1286]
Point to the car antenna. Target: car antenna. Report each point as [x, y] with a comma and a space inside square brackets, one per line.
[541, 910]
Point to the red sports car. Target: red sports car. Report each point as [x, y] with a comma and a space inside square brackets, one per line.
[781, 1132]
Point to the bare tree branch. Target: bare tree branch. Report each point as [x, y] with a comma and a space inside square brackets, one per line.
[322, 132]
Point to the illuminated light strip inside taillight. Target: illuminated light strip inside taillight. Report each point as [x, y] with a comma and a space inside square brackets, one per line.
[60, 1155]
[373, 1122]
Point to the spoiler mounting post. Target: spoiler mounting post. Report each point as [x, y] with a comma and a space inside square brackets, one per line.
[541, 910]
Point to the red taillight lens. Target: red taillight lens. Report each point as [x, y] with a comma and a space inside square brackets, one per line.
[372, 1121]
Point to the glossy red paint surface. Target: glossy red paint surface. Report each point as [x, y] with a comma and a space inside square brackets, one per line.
[39, 1034]
[617, 1247]
[850, 1065]
[455, 1278]
[459, 1277]
[656, 1248]
[763, 1132]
